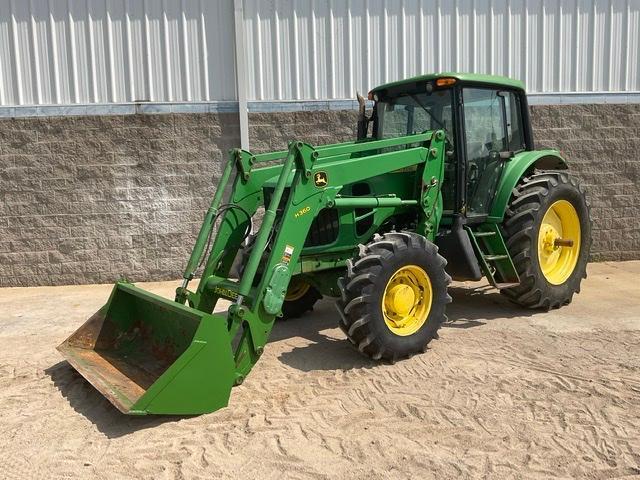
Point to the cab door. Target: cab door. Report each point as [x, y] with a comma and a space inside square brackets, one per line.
[492, 134]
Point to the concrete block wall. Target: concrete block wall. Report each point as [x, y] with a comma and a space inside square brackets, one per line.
[602, 146]
[272, 131]
[95, 199]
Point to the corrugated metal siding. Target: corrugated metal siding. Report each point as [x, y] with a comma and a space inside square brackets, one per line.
[298, 49]
[115, 51]
[61, 52]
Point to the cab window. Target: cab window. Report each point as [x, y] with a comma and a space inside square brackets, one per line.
[492, 124]
[515, 130]
[410, 113]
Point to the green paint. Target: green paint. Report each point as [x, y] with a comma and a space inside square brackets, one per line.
[515, 169]
[148, 354]
[277, 289]
[493, 255]
[489, 80]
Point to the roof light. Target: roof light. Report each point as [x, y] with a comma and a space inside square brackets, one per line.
[445, 82]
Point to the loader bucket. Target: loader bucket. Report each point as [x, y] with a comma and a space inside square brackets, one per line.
[148, 354]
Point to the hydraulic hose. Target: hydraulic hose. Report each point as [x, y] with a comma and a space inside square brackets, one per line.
[266, 227]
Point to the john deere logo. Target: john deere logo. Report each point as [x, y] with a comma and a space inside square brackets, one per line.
[320, 179]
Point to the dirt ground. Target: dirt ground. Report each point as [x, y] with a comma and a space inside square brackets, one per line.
[504, 393]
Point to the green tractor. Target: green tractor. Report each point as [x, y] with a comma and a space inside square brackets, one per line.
[442, 181]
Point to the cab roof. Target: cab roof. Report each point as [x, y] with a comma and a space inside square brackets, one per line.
[463, 77]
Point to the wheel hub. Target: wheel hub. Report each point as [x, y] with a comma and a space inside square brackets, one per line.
[400, 300]
[559, 242]
[548, 240]
[407, 300]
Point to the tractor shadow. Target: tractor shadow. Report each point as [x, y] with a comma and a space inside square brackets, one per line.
[328, 350]
[472, 306]
[92, 405]
[475, 306]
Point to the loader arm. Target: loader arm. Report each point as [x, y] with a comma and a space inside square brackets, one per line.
[314, 177]
[148, 354]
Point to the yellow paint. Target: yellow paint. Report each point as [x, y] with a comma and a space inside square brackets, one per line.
[302, 211]
[320, 179]
[226, 293]
[406, 301]
[297, 289]
[560, 221]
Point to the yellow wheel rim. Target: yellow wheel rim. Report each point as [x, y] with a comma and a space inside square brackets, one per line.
[406, 301]
[559, 242]
[296, 290]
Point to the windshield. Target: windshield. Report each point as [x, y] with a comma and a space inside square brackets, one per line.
[410, 113]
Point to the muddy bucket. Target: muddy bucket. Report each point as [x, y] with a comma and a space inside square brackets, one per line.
[148, 354]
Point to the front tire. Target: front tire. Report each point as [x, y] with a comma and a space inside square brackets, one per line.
[300, 299]
[394, 296]
[548, 234]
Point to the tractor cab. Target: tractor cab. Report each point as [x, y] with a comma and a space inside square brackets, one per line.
[486, 123]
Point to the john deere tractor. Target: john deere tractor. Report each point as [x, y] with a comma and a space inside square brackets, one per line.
[443, 180]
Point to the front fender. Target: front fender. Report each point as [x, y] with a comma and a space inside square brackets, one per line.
[515, 169]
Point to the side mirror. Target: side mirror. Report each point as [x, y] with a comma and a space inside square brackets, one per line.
[363, 121]
[362, 128]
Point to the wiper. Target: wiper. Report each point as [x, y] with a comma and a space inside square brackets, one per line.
[431, 115]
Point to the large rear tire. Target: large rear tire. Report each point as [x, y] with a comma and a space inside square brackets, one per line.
[394, 295]
[548, 233]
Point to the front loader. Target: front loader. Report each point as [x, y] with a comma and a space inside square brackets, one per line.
[444, 170]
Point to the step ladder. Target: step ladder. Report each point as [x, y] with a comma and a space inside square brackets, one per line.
[493, 255]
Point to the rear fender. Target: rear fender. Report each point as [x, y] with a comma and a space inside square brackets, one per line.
[515, 169]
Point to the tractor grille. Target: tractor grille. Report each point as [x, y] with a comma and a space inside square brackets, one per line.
[324, 229]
